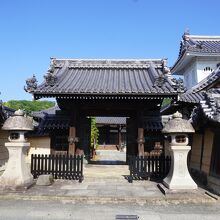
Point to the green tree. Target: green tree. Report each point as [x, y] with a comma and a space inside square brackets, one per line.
[94, 133]
[29, 106]
[166, 101]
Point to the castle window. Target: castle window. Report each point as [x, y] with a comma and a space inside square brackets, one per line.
[207, 69]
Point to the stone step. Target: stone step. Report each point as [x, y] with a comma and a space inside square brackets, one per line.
[106, 171]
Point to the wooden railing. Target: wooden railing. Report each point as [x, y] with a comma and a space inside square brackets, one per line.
[60, 166]
[148, 167]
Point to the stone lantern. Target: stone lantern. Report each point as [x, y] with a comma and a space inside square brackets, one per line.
[17, 173]
[178, 176]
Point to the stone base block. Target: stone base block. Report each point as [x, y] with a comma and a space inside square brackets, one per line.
[166, 191]
[180, 183]
[45, 180]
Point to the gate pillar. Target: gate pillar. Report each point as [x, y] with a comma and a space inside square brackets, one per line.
[140, 141]
[73, 139]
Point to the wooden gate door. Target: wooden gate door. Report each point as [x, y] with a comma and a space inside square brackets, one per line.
[131, 136]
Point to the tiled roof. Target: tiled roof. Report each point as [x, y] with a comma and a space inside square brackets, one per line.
[153, 126]
[201, 44]
[44, 112]
[52, 122]
[209, 108]
[198, 45]
[50, 119]
[191, 97]
[111, 120]
[104, 77]
[153, 123]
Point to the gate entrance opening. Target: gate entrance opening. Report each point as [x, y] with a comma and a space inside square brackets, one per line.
[110, 146]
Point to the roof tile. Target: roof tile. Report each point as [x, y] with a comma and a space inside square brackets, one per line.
[105, 77]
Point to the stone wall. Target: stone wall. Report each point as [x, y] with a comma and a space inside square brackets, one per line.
[3, 149]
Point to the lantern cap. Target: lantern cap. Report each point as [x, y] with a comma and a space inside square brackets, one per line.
[178, 125]
[18, 122]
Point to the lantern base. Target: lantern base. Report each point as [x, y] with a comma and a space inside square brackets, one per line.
[22, 187]
[178, 176]
[17, 173]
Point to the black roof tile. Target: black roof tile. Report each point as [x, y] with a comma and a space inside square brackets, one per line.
[52, 122]
[153, 123]
[104, 77]
[41, 114]
[208, 108]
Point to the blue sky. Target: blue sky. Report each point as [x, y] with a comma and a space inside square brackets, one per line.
[32, 31]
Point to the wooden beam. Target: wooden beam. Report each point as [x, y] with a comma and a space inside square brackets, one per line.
[140, 141]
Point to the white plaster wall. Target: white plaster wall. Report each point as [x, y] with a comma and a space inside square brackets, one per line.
[189, 73]
[39, 145]
[194, 72]
[201, 64]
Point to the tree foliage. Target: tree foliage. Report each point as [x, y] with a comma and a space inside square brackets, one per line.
[29, 106]
[94, 133]
[166, 101]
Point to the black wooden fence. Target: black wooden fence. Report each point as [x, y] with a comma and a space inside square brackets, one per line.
[148, 167]
[60, 166]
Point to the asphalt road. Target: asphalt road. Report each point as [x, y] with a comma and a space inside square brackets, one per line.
[32, 210]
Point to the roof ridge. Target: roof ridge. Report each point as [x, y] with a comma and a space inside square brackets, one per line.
[204, 37]
[108, 63]
[107, 59]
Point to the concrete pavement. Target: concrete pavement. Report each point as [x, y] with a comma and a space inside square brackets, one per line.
[107, 186]
[63, 210]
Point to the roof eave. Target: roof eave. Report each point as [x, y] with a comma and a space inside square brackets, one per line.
[184, 59]
[82, 95]
[179, 63]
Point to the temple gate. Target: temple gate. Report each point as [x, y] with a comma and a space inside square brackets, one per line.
[134, 89]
